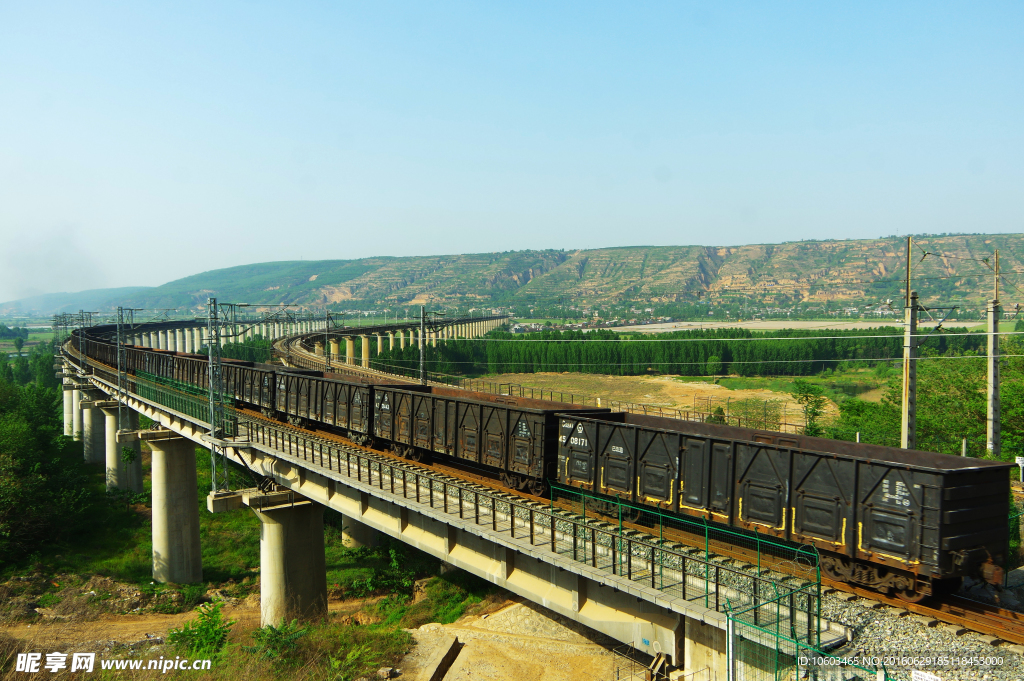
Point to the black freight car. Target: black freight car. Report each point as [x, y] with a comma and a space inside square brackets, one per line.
[343, 401]
[890, 519]
[513, 437]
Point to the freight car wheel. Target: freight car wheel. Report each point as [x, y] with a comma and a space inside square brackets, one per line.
[910, 596]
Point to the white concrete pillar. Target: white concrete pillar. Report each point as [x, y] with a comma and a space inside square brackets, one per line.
[76, 414]
[177, 555]
[188, 340]
[335, 347]
[364, 347]
[318, 349]
[391, 340]
[380, 343]
[179, 340]
[117, 473]
[69, 411]
[134, 482]
[293, 571]
[94, 439]
[350, 350]
[432, 335]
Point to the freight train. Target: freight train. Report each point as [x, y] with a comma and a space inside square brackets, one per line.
[907, 522]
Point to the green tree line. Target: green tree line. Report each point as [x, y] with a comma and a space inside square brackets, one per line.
[698, 353]
[13, 332]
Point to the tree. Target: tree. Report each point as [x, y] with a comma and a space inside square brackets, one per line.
[813, 400]
[714, 366]
[19, 343]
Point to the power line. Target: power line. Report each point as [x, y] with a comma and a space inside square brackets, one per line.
[974, 334]
[651, 364]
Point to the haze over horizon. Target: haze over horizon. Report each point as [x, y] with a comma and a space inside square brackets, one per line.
[143, 143]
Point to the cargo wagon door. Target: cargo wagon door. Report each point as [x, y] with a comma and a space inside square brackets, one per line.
[889, 525]
[658, 463]
[421, 416]
[467, 424]
[360, 410]
[821, 511]
[527, 452]
[330, 391]
[577, 459]
[616, 453]
[441, 407]
[494, 435]
[762, 487]
[383, 418]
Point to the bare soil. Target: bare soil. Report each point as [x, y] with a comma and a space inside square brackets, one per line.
[667, 392]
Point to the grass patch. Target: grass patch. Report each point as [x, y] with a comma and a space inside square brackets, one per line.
[445, 599]
[837, 385]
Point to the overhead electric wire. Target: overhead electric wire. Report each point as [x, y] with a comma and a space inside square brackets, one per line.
[513, 363]
[976, 334]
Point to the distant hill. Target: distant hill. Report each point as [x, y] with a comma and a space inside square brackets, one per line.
[953, 269]
[52, 303]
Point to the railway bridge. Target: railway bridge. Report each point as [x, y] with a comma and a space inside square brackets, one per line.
[660, 596]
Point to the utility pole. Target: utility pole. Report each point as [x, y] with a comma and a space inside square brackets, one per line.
[992, 433]
[423, 317]
[908, 416]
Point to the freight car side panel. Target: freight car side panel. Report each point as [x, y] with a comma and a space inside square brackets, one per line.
[762, 487]
[889, 523]
[467, 431]
[657, 467]
[527, 443]
[822, 503]
[384, 414]
[577, 457]
[494, 434]
[616, 460]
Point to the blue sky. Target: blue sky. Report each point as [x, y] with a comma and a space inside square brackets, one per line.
[184, 137]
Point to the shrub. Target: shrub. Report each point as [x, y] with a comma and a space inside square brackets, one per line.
[206, 634]
[276, 642]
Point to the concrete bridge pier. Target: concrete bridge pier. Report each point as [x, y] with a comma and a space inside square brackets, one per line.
[350, 350]
[401, 339]
[177, 556]
[117, 469]
[380, 343]
[335, 347]
[76, 414]
[364, 347]
[391, 340]
[120, 473]
[69, 410]
[93, 437]
[189, 340]
[293, 571]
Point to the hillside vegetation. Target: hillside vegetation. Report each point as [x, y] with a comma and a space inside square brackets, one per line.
[834, 272]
